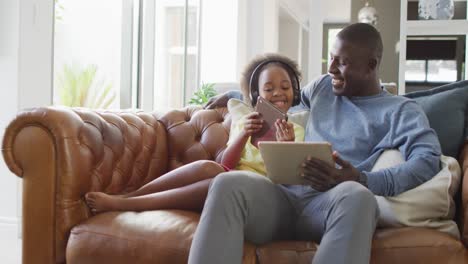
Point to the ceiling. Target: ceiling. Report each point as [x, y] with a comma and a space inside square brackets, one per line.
[334, 11]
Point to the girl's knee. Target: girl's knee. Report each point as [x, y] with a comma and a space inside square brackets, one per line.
[212, 166]
[209, 168]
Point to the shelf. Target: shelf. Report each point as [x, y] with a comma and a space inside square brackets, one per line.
[436, 27]
[432, 28]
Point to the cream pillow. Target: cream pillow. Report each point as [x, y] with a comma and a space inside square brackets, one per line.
[429, 205]
[238, 109]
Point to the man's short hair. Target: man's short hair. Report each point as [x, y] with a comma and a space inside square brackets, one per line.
[365, 36]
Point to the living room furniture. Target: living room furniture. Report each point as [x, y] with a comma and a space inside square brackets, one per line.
[63, 153]
[425, 29]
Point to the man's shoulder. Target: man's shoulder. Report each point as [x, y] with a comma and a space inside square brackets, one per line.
[319, 83]
[398, 100]
[402, 101]
[323, 81]
[404, 106]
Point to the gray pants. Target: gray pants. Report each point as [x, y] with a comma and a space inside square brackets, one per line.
[246, 205]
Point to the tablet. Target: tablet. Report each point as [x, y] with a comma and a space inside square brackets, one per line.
[269, 113]
[283, 160]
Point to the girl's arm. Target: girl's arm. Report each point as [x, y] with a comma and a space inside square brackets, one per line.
[233, 152]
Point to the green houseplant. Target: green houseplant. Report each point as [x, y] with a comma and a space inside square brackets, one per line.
[201, 96]
[79, 87]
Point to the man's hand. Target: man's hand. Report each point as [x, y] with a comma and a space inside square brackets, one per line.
[322, 177]
[219, 100]
[284, 130]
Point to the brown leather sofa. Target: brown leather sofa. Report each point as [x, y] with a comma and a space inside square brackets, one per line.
[62, 153]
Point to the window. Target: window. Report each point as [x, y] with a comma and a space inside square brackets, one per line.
[176, 53]
[433, 71]
[441, 71]
[415, 71]
[93, 56]
[141, 53]
[434, 60]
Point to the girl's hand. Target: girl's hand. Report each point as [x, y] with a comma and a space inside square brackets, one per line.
[284, 130]
[253, 124]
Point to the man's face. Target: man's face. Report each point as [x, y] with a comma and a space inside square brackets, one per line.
[349, 69]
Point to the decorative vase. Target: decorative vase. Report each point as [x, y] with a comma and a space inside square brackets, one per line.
[436, 9]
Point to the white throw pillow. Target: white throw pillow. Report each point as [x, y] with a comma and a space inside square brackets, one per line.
[429, 205]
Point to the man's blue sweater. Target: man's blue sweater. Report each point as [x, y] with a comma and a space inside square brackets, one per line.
[361, 128]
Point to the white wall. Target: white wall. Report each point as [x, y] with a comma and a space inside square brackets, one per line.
[320, 12]
[337, 11]
[35, 53]
[26, 81]
[219, 41]
[289, 39]
[9, 25]
[9, 28]
[257, 29]
[316, 17]
[297, 9]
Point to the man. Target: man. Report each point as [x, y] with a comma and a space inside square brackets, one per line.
[338, 209]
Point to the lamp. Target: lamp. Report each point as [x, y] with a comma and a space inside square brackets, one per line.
[368, 14]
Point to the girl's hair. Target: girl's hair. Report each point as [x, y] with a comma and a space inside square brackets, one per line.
[252, 70]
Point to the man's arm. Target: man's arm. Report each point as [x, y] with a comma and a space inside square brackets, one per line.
[420, 147]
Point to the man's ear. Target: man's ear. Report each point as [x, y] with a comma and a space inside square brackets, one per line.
[373, 64]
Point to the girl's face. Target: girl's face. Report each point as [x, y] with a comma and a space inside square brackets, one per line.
[275, 86]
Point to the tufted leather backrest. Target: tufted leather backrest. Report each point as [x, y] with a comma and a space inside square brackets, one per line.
[83, 151]
[127, 149]
[196, 134]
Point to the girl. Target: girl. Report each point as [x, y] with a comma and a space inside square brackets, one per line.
[275, 78]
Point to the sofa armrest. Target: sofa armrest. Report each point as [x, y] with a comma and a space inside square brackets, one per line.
[62, 153]
[464, 194]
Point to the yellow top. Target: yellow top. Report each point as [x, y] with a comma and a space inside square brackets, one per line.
[251, 159]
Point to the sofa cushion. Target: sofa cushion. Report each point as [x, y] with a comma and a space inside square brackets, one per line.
[446, 108]
[130, 237]
[429, 205]
[165, 237]
[395, 245]
[162, 236]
